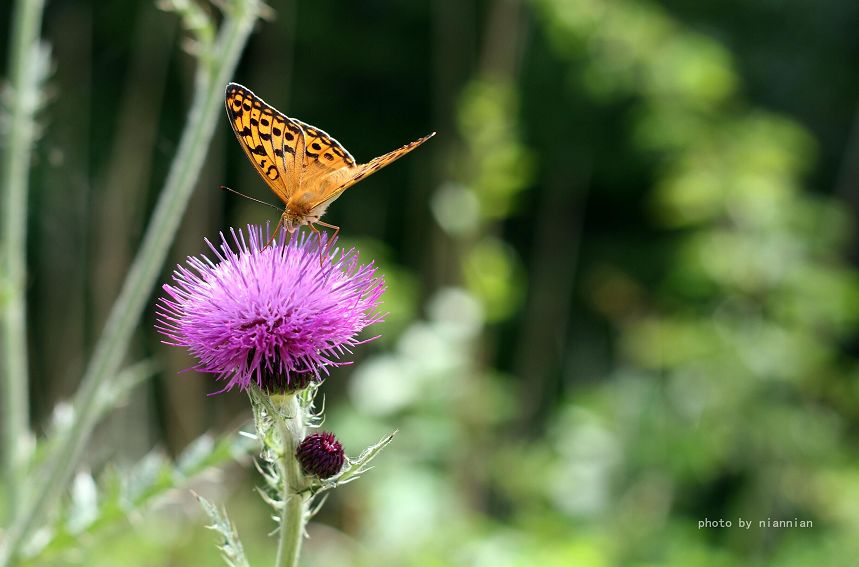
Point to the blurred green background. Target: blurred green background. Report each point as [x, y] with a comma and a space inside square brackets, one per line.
[623, 287]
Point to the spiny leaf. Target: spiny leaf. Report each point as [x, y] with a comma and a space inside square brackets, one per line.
[120, 493]
[231, 548]
[354, 468]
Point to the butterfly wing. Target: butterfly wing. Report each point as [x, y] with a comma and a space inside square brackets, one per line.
[374, 165]
[304, 166]
[323, 153]
[323, 157]
[273, 142]
[331, 183]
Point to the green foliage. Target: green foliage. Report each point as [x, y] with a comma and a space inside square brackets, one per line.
[231, 548]
[101, 506]
[497, 167]
[743, 338]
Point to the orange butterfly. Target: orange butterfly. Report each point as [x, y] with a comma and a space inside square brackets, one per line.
[303, 165]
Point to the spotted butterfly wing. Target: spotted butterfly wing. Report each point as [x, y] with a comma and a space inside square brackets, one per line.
[356, 174]
[323, 157]
[330, 170]
[304, 166]
[273, 142]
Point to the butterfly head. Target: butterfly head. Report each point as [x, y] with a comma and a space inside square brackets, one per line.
[293, 220]
[290, 221]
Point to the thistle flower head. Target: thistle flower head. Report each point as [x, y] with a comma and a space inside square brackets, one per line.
[275, 315]
[321, 455]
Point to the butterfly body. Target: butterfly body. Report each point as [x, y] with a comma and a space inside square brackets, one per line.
[305, 167]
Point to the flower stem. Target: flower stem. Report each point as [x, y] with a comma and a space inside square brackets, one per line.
[214, 71]
[27, 66]
[293, 517]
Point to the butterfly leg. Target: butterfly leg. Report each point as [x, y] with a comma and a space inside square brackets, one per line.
[319, 235]
[332, 238]
[275, 233]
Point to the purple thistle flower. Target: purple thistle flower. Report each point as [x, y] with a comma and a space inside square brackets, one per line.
[276, 315]
[321, 454]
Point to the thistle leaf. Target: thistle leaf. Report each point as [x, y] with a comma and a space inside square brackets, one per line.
[231, 548]
[356, 467]
[117, 494]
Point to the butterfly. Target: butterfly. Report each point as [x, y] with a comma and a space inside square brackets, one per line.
[304, 166]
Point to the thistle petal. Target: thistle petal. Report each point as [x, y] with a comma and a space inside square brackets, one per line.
[274, 315]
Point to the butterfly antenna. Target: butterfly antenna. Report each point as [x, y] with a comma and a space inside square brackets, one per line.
[225, 188]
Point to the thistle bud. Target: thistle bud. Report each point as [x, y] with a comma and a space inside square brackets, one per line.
[321, 455]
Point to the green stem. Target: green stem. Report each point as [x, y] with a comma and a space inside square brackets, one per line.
[214, 71]
[293, 517]
[26, 69]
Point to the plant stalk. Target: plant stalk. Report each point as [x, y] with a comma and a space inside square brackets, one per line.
[27, 63]
[215, 69]
[293, 517]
